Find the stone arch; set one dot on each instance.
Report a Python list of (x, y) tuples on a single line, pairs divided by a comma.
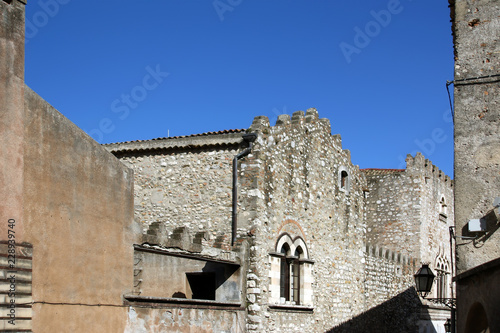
[(477, 321), (293, 244), (291, 227)]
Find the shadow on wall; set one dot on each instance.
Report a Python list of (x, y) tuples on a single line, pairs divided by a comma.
[(399, 314)]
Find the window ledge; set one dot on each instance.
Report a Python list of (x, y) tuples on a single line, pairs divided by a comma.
[(289, 307), (181, 301)]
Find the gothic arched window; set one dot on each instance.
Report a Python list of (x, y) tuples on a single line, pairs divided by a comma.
[(291, 272), (442, 277)]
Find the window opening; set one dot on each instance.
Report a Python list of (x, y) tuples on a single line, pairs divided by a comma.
[(441, 277), (202, 285), (296, 275), (443, 210), (343, 179), (290, 272), (285, 273)]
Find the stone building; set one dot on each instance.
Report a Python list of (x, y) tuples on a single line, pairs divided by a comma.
[(155, 240), (476, 31), (318, 244)]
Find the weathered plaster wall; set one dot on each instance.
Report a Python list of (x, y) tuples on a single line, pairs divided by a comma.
[(11, 115), (476, 31), (15, 252), (161, 273), (78, 214), (479, 291), (185, 320)]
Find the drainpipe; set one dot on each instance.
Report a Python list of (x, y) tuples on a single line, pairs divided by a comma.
[(248, 140)]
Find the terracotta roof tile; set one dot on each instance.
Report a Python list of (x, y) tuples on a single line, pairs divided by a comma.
[(375, 171), (182, 136)]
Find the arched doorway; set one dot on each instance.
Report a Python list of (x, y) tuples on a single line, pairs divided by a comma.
[(477, 322)]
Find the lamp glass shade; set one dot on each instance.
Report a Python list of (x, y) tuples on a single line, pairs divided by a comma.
[(424, 279)]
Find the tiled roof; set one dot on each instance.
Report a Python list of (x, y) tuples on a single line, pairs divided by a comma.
[(208, 139), (182, 136), (375, 171)]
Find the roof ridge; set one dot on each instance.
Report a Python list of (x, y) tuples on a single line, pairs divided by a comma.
[(239, 130), (383, 169)]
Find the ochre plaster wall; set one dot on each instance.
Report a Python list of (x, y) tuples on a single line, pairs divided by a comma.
[(11, 114), (79, 217)]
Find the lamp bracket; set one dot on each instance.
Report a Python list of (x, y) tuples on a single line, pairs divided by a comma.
[(449, 302)]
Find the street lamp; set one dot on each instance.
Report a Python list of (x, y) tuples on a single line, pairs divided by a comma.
[(447, 326), (423, 282)]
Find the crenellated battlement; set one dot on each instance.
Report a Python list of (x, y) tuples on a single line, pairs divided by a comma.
[(311, 116), (396, 257), (420, 164)]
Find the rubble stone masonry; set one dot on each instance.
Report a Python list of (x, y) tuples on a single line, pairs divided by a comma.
[(298, 186)]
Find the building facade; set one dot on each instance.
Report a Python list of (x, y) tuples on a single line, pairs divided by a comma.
[(319, 243), (153, 239), (476, 27)]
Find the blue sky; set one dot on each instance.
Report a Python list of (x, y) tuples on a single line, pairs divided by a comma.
[(128, 70)]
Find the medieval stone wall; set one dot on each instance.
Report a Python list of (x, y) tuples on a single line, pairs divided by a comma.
[(299, 192), (388, 273), (437, 209), (392, 304), (298, 186), (410, 210), (393, 210), (185, 188)]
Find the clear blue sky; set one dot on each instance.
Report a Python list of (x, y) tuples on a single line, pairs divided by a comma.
[(128, 70)]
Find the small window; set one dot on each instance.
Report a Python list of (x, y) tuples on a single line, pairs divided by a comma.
[(443, 210), (344, 181), (202, 285)]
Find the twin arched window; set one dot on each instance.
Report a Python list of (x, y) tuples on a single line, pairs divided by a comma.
[(290, 279), (291, 272), (442, 270)]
